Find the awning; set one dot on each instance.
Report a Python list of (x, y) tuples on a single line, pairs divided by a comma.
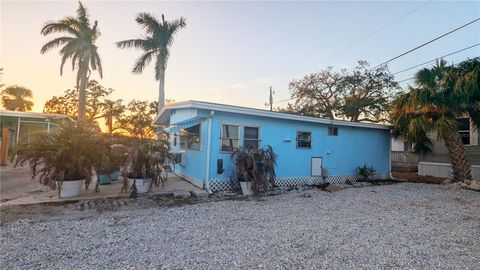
[(177, 127)]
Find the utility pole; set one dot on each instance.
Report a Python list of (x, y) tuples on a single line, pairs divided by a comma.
[(270, 100)]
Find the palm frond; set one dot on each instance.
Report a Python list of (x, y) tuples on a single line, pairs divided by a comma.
[(174, 27), (98, 62), (142, 62), (55, 27), (148, 21), (445, 127), (54, 43), (82, 14), (134, 43)]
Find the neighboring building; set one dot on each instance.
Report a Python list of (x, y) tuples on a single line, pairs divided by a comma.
[(310, 150), (438, 163), (21, 124), (403, 157)]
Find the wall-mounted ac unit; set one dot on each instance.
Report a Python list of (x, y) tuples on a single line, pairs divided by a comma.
[(180, 158)]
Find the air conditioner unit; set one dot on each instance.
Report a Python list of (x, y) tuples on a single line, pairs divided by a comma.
[(180, 158)]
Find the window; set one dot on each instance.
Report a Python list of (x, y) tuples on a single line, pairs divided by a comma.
[(190, 138), (464, 129), (332, 131), (304, 139), (229, 138), (250, 139)]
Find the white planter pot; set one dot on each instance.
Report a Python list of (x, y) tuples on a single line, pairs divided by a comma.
[(142, 185), (70, 188), (247, 188)]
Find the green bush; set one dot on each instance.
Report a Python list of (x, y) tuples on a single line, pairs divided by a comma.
[(365, 172)]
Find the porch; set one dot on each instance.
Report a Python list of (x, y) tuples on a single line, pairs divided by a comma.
[(19, 189)]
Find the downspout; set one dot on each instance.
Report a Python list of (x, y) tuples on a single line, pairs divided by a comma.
[(390, 157), (206, 182)]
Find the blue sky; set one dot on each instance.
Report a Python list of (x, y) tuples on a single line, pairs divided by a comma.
[(231, 52)]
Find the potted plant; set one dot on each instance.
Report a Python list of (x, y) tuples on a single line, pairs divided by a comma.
[(144, 165), (118, 155), (254, 168), (104, 170), (111, 155), (63, 160)]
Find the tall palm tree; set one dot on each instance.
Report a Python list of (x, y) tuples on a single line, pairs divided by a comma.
[(79, 46), (156, 44), (441, 95), (17, 98)]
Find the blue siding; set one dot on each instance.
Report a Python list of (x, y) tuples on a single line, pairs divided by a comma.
[(341, 154), (353, 147), (196, 159)]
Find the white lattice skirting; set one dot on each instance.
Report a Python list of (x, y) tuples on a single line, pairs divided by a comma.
[(228, 184)]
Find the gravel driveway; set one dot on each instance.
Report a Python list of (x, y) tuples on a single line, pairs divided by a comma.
[(402, 226)]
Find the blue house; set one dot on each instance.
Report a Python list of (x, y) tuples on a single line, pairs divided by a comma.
[(310, 150)]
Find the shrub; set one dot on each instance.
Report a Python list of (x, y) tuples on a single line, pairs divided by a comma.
[(255, 165), (69, 153), (365, 172)]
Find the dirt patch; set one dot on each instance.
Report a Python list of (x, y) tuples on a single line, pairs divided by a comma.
[(415, 178), (88, 208)]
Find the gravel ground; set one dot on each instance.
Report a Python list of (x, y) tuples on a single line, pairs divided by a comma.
[(401, 226)]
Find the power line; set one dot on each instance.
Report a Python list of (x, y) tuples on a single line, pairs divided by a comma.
[(369, 35), (446, 55), (403, 70), (406, 79), (428, 42)]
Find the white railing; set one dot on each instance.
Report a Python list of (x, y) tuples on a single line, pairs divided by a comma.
[(404, 157)]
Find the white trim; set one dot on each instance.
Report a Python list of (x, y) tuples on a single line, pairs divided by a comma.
[(296, 139), (209, 140), (259, 112), (32, 114), (221, 136)]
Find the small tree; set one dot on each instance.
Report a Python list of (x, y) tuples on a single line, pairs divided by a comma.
[(362, 94), (137, 121)]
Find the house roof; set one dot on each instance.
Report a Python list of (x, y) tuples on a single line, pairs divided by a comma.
[(164, 115), (33, 114)]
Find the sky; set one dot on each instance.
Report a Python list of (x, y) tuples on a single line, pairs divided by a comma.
[(232, 52)]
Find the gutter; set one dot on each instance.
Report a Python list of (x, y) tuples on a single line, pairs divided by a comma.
[(206, 181)]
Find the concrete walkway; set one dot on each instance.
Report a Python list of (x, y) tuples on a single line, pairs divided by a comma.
[(17, 188)]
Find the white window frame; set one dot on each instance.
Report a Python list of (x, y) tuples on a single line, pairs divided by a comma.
[(188, 147), (471, 137), (296, 139), (222, 137), (258, 137)]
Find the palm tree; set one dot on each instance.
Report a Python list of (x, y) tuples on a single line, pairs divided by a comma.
[(17, 98), (79, 46), (156, 44), (441, 95), (112, 111)]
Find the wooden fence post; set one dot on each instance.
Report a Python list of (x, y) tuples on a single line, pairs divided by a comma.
[(4, 149)]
